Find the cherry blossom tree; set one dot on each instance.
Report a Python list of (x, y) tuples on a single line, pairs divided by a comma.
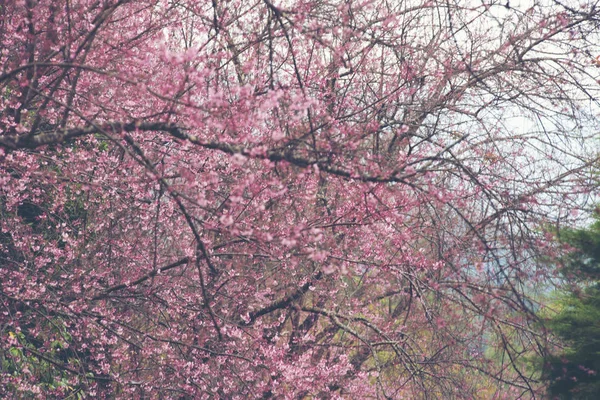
[(301, 199)]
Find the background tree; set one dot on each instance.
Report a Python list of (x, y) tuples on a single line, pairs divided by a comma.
[(573, 371), (303, 199)]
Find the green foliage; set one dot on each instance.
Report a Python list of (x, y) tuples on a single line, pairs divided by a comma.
[(25, 359), (574, 373), (584, 263)]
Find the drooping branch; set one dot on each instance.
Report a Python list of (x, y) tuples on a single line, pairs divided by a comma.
[(284, 302), (142, 279), (54, 137)]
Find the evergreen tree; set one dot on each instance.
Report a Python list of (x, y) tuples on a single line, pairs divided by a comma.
[(574, 373)]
